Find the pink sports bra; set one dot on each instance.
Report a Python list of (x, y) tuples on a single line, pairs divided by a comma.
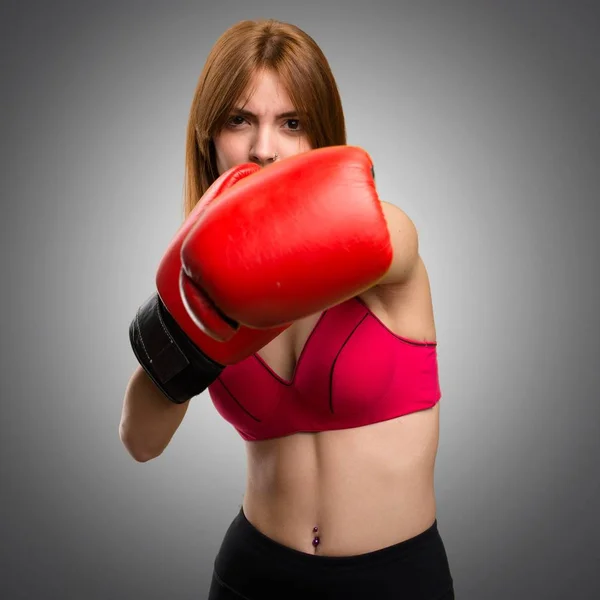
[(352, 371)]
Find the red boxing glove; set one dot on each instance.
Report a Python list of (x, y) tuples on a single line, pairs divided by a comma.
[(180, 358), (295, 238), (242, 342)]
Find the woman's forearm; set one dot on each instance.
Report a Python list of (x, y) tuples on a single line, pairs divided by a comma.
[(149, 419)]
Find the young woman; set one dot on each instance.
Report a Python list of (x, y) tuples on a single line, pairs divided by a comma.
[(339, 410)]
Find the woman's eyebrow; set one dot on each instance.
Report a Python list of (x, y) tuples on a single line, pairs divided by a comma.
[(285, 115)]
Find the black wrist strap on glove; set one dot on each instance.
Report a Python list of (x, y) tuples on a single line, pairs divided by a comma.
[(173, 362)]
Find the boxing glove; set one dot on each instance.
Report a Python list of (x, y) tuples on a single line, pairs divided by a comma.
[(181, 358), (287, 241)]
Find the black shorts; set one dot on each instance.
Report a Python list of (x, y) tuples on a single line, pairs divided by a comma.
[(251, 566)]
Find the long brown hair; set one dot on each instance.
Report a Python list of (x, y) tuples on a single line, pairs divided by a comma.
[(242, 50)]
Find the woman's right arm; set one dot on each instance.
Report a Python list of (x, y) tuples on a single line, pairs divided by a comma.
[(149, 419)]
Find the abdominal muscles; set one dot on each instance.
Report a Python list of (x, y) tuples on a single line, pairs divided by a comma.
[(346, 492)]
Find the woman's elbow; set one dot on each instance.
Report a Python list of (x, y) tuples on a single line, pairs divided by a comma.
[(137, 451)]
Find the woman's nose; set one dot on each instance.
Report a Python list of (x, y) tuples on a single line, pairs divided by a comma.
[(263, 149)]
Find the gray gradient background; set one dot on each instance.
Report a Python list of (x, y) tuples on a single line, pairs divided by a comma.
[(483, 121)]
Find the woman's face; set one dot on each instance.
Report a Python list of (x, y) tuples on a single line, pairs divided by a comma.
[(266, 127)]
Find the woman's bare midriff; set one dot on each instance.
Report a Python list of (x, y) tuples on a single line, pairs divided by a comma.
[(364, 488)]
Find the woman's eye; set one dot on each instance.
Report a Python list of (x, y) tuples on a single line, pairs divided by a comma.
[(293, 124), (236, 120)]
